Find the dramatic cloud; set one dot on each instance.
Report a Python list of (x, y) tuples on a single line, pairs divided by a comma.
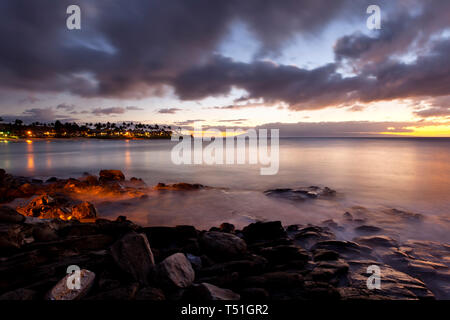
[(169, 110), (188, 122), (153, 48)]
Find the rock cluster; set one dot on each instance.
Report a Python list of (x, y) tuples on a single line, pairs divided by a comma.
[(120, 260)]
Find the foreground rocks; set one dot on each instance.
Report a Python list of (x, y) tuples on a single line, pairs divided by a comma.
[(264, 261)]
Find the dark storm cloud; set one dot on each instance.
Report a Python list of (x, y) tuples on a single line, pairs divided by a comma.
[(139, 48), (123, 49)]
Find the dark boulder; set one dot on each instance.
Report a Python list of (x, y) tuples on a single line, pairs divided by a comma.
[(222, 246), (111, 175), (9, 215), (264, 231), (133, 255), (175, 272)]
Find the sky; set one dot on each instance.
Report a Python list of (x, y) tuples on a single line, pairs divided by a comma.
[(306, 67)]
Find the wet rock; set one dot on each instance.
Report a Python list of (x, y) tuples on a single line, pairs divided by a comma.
[(284, 253), (220, 245), (405, 215), (325, 255), (175, 272), (9, 215), (132, 254), (346, 249), (84, 210), (301, 194), (208, 292), (111, 175), (61, 290), (365, 229), (264, 231), (150, 294), (377, 241), (394, 284), (309, 236), (329, 270), (20, 294), (348, 216)]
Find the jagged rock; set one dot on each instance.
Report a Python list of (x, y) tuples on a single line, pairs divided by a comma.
[(150, 294), (9, 215), (207, 292), (175, 272), (111, 175), (377, 241), (264, 231), (222, 245), (61, 291), (84, 210), (301, 194), (132, 254)]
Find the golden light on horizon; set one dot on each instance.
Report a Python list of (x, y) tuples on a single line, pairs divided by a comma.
[(426, 131)]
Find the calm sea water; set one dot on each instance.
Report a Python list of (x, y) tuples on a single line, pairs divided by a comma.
[(376, 174)]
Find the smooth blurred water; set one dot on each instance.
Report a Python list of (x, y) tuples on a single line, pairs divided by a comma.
[(408, 174)]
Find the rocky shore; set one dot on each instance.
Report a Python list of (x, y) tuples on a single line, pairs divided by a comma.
[(264, 261)]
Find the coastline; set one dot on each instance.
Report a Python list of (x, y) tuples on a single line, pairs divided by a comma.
[(263, 261)]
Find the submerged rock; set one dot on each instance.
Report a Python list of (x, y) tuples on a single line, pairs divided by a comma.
[(377, 241), (179, 186), (301, 194)]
